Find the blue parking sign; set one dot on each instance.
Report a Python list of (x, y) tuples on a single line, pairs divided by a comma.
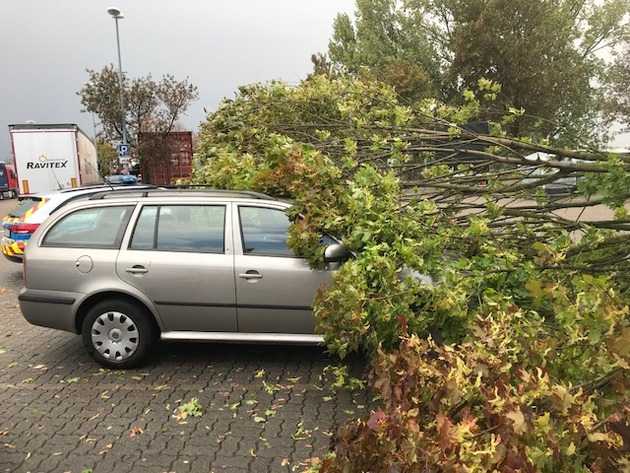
[(123, 150)]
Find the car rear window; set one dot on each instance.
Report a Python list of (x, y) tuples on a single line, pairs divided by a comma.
[(96, 227), (24, 205)]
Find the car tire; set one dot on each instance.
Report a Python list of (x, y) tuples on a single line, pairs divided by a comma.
[(118, 333)]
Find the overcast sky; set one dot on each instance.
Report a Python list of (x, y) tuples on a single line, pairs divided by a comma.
[(48, 44)]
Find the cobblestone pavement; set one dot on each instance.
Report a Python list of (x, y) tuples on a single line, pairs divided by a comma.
[(264, 407)]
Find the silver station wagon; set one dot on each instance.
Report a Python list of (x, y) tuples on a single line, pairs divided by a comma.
[(127, 268)]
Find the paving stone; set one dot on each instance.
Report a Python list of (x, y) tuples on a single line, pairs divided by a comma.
[(64, 413)]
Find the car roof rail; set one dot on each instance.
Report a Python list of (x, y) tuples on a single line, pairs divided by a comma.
[(181, 190), (144, 192), (205, 187)]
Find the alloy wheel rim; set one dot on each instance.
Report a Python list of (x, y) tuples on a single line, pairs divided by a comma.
[(115, 336)]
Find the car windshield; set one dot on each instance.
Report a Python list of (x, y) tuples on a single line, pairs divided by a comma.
[(24, 205), (3, 175)]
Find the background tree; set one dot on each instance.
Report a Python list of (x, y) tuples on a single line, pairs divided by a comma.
[(150, 105), (544, 53), (107, 157), (383, 42), (617, 102)]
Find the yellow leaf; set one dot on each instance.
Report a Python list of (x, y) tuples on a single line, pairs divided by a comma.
[(520, 426), (564, 397), (535, 288), (598, 437), (543, 421), (611, 438)]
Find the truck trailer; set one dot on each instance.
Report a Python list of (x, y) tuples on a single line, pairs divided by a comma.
[(50, 157)]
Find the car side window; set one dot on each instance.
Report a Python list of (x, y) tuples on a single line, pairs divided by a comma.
[(144, 232), (185, 228), (97, 227), (264, 231)]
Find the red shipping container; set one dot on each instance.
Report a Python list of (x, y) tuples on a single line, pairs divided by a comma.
[(176, 164)]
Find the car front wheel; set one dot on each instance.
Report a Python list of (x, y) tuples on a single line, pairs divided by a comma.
[(118, 333)]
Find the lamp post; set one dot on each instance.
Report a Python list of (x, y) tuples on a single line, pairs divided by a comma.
[(117, 15)]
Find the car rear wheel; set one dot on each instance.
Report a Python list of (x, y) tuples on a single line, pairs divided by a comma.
[(118, 333)]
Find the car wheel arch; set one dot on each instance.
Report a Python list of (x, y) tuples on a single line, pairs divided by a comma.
[(95, 298)]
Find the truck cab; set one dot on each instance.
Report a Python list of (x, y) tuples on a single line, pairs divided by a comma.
[(8, 182)]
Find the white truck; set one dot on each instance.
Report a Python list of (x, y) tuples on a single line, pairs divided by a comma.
[(50, 157)]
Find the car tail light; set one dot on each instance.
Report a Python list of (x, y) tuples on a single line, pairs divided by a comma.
[(23, 228)]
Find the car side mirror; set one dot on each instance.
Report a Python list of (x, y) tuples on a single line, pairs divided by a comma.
[(336, 253)]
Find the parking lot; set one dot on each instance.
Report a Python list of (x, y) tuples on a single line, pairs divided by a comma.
[(263, 408)]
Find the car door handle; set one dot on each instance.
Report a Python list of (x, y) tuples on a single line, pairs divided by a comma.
[(251, 274), (137, 269)]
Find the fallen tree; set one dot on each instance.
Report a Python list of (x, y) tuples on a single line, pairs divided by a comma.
[(515, 358)]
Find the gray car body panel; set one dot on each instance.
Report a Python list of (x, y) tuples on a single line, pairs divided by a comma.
[(187, 293)]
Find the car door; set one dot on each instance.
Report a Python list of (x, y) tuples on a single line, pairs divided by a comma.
[(274, 288), (81, 243), (181, 257)]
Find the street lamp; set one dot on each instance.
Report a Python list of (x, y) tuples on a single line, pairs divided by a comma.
[(117, 15)]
